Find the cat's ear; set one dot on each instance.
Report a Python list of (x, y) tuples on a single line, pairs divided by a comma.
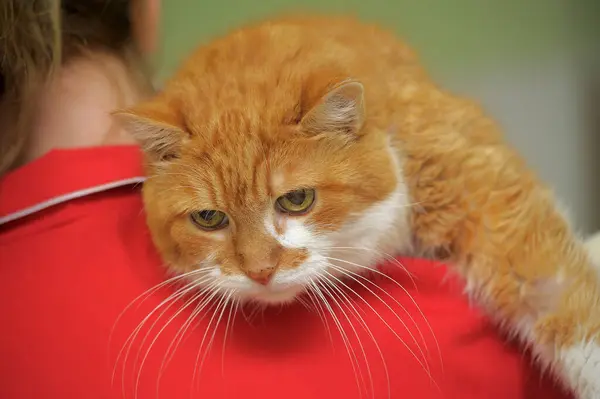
[(157, 128), (341, 110)]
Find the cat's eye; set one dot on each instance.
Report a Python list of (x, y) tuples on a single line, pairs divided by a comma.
[(209, 220), (296, 202)]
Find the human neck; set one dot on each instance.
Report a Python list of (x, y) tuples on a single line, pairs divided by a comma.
[(74, 110)]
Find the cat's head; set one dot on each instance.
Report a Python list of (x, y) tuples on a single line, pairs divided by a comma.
[(263, 201)]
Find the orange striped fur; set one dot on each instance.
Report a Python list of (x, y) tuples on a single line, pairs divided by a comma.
[(398, 165)]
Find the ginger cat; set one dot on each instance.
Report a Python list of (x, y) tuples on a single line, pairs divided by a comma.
[(280, 146)]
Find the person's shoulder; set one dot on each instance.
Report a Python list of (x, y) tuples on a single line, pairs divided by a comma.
[(62, 176), (468, 354), (71, 199)]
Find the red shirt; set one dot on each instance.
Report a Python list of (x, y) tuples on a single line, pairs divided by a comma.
[(75, 252)]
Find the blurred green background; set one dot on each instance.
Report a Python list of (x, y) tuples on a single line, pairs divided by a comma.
[(449, 34), (533, 64)]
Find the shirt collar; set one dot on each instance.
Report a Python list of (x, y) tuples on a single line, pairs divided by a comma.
[(66, 174)]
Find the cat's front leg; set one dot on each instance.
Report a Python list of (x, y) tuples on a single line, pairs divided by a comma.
[(579, 361), (545, 291), (491, 219), (578, 358)]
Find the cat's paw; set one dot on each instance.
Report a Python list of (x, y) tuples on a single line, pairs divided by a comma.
[(581, 366)]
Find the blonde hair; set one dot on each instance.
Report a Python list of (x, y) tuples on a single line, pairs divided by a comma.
[(38, 36)]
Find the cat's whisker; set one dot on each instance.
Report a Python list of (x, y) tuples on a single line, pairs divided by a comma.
[(185, 305), (228, 329), (228, 303), (262, 313), (221, 305), (423, 363), (219, 302), (344, 299), (171, 349), (378, 272), (127, 346), (409, 314), (350, 274), (389, 257), (367, 329), (144, 295), (320, 312), (351, 353), (257, 308), (193, 286), (305, 304), (397, 302), (203, 307), (244, 315)]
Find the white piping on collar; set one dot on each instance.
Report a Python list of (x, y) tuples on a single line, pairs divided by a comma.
[(69, 197)]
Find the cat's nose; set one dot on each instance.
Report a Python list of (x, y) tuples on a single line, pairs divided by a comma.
[(261, 276)]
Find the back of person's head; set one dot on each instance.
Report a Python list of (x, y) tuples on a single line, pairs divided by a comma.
[(39, 36)]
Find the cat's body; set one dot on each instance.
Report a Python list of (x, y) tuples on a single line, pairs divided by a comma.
[(378, 160)]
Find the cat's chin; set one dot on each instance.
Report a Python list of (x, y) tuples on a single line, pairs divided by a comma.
[(271, 296)]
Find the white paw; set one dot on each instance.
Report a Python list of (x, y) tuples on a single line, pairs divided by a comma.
[(581, 365)]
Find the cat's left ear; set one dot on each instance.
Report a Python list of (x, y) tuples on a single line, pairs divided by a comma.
[(341, 110), (156, 126)]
